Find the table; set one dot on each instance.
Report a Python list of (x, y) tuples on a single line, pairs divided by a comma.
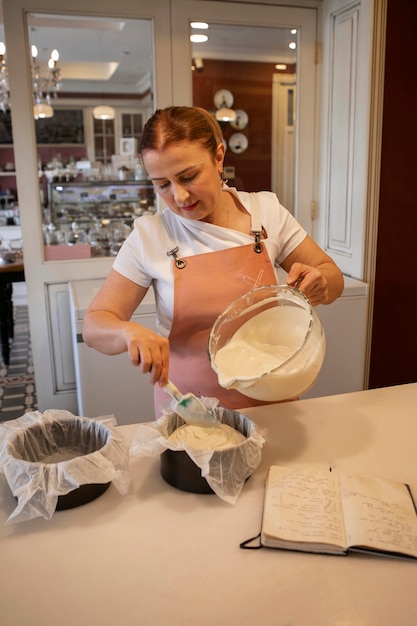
[(159, 556), (9, 273)]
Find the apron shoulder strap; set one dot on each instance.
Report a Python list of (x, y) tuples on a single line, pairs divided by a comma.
[(256, 221), (255, 207)]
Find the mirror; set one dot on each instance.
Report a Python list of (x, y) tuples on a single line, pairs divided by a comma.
[(251, 70), (91, 99)]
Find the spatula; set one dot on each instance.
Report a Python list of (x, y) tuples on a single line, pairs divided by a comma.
[(191, 408)]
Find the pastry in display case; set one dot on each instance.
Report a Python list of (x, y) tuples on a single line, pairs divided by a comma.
[(92, 218)]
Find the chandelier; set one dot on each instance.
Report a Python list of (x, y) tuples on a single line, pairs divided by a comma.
[(43, 87), (4, 80)]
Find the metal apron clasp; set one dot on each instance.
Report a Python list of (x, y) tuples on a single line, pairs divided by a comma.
[(179, 263), (257, 246)]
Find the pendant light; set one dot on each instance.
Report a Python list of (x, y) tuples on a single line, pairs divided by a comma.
[(104, 112), (42, 110), (225, 115)]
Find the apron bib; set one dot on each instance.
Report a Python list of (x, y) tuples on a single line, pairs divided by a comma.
[(204, 285)]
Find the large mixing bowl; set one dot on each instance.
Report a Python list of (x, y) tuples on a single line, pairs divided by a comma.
[(268, 344)]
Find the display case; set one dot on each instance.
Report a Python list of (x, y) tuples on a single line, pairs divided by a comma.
[(93, 218)]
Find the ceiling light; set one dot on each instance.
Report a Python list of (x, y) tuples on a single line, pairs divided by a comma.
[(292, 45), (103, 112), (199, 25), (293, 31), (198, 38), (281, 66)]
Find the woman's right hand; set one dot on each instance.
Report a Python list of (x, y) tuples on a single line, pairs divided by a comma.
[(148, 351), (108, 328)]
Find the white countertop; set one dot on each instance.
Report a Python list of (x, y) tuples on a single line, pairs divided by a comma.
[(160, 556)]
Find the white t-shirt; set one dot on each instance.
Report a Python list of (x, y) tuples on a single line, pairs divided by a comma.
[(143, 257)]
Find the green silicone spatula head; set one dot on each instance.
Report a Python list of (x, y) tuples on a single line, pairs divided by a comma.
[(190, 408)]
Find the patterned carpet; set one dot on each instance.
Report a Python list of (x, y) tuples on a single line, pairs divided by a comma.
[(17, 382)]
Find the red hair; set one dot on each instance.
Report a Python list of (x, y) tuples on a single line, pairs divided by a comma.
[(180, 123)]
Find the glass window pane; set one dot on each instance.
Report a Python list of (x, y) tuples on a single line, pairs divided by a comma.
[(110, 60), (237, 68)]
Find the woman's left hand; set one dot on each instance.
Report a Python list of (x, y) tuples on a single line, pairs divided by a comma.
[(314, 273), (310, 281)]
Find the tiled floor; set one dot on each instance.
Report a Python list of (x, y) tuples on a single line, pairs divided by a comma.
[(17, 382)]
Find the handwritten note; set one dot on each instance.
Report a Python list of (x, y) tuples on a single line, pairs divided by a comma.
[(304, 506), (379, 513), (316, 510)]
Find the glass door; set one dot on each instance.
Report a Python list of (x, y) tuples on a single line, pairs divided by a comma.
[(251, 55), (47, 281)]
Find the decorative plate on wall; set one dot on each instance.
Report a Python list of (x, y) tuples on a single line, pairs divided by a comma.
[(241, 120), (223, 98), (238, 143)]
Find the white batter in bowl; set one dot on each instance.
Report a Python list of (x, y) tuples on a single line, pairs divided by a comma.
[(268, 344)]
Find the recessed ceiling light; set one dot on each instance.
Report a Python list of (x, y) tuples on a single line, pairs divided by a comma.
[(292, 45), (281, 66), (293, 31), (198, 38), (200, 25)]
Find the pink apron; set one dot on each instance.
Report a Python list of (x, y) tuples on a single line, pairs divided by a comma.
[(203, 287)]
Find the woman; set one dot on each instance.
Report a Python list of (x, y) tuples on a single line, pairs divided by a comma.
[(211, 245)]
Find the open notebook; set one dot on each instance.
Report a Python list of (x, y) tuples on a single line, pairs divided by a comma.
[(321, 510)]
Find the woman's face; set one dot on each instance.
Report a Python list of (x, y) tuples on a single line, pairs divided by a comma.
[(187, 179)]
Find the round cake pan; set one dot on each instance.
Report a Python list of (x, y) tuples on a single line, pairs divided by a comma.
[(178, 468), (180, 471), (80, 496), (77, 438)]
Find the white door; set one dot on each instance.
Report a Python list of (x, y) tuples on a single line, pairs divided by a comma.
[(345, 132)]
